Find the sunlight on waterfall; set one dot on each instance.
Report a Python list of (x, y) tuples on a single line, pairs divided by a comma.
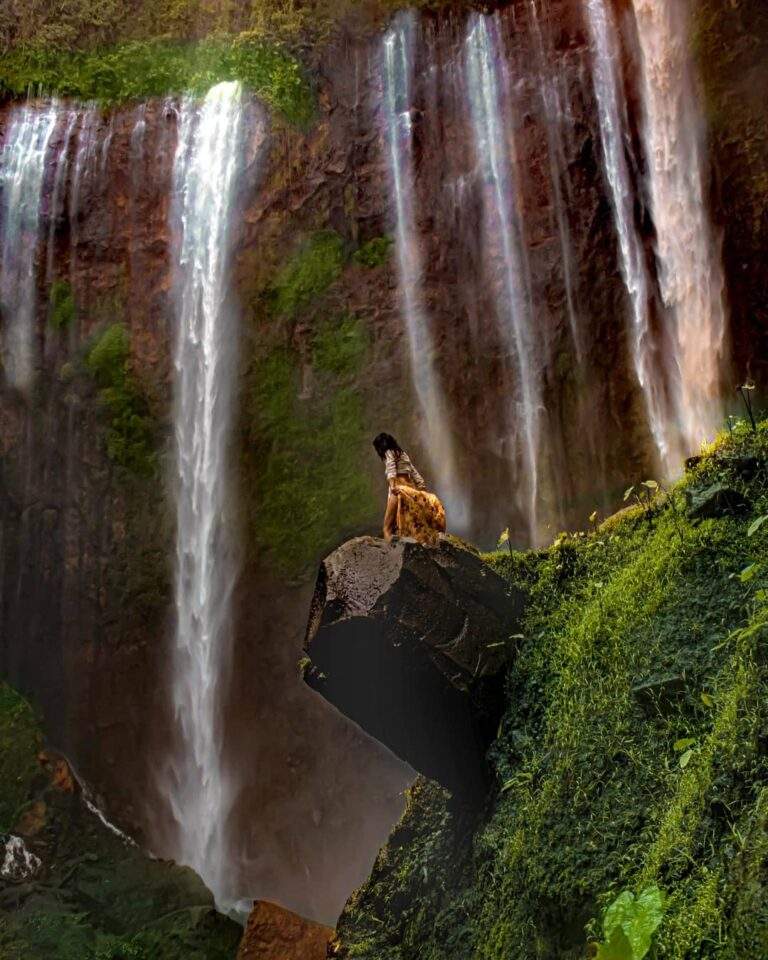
[(614, 137), (22, 168), (690, 269)]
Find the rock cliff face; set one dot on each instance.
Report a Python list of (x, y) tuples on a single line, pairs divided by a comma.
[(273, 933), (410, 642), (87, 541)]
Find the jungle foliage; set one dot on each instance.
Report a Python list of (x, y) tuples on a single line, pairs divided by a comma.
[(632, 756), (157, 67)]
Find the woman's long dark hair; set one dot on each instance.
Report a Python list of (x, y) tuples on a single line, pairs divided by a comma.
[(385, 442)]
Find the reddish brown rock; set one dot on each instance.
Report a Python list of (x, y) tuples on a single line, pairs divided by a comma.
[(273, 933)]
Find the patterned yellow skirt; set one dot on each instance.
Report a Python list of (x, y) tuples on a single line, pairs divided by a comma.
[(420, 514)]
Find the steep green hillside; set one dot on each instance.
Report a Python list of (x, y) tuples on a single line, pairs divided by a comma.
[(633, 754), (94, 896)]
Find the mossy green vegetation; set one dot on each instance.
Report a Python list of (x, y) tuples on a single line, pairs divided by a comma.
[(95, 897), (62, 310), (19, 742), (308, 273), (374, 252), (633, 753), (130, 433), (154, 68), (308, 444)]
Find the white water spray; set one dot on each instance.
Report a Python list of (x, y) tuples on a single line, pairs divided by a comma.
[(22, 170), (207, 164), (397, 73), (611, 106), (496, 162), (690, 269)]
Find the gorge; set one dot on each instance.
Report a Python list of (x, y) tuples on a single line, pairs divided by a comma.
[(526, 237)]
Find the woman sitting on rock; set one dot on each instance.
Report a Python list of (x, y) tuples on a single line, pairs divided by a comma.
[(411, 510)]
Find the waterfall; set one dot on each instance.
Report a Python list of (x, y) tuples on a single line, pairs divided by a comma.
[(497, 166), (611, 107), (207, 165), (690, 269), (61, 170), (22, 171), (85, 157), (397, 59), (556, 120)]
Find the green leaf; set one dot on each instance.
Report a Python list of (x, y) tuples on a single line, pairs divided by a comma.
[(756, 525), (707, 700), (684, 743), (628, 493), (629, 924), (651, 484), (749, 572), (593, 517), (617, 948), (685, 759), (504, 538)]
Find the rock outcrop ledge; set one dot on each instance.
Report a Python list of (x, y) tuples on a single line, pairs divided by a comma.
[(410, 642)]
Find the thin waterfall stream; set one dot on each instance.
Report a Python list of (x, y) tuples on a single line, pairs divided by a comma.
[(688, 255), (496, 164), (398, 49), (22, 171), (612, 115), (207, 166)]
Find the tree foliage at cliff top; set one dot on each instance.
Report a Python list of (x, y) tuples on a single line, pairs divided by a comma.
[(633, 753), (154, 68)]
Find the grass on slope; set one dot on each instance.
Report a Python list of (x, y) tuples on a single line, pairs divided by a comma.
[(633, 752)]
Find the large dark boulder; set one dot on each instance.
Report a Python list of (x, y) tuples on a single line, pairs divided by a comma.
[(410, 642)]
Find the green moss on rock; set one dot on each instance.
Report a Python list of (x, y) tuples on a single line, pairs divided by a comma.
[(374, 252), (62, 310), (308, 274), (309, 489), (130, 434)]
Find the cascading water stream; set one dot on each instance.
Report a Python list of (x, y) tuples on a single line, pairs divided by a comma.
[(397, 74), (690, 269), (496, 164), (207, 165), (58, 200), (612, 116), (22, 171), (86, 156), (555, 118)]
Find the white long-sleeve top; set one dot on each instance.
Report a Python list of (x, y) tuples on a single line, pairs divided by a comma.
[(399, 464)]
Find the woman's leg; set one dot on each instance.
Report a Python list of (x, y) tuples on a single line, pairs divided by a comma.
[(390, 518)]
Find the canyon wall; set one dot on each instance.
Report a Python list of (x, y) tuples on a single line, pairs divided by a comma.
[(87, 523)]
